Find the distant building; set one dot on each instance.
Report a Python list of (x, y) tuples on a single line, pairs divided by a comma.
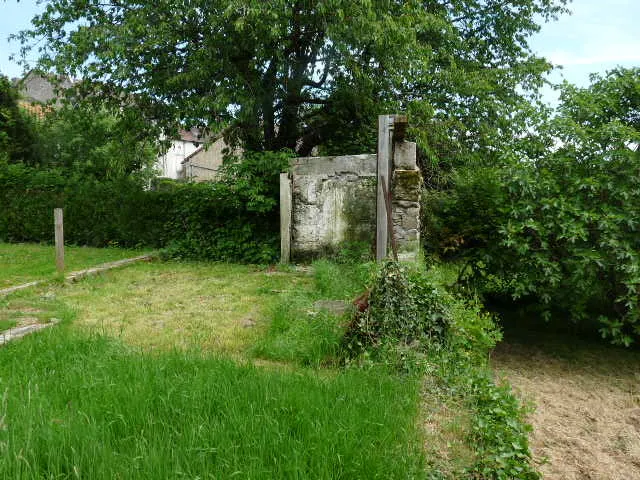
[(38, 92), (169, 163), (190, 158)]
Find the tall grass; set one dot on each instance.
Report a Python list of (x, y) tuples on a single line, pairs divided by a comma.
[(306, 335), (73, 406)]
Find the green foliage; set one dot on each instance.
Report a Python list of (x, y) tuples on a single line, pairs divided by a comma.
[(17, 129), (96, 213), (352, 252), (83, 406), (233, 219), (414, 326), (499, 433), (569, 224), (570, 230), (558, 228), (402, 308), (301, 74), (463, 219), (88, 141)]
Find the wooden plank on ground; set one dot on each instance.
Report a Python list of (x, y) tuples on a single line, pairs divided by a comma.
[(75, 276)]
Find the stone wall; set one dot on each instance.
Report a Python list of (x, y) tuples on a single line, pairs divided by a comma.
[(327, 201), (406, 185)]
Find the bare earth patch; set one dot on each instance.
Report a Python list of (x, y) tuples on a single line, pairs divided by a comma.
[(587, 407)]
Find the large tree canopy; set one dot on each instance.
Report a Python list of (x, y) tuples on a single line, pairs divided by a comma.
[(297, 74)]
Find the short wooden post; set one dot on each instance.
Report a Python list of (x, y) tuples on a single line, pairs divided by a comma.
[(285, 218), (59, 234)]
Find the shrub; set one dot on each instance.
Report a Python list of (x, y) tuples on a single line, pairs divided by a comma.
[(403, 308), (414, 326), (461, 220), (559, 229), (234, 219)]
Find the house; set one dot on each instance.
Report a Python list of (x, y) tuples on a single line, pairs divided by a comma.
[(192, 157), (38, 92), (203, 164), (169, 163), (38, 88)]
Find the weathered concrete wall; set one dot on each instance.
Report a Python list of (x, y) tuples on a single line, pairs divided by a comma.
[(333, 202)]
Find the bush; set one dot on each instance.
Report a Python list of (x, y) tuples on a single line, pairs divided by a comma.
[(558, 229), (235, 219), (461, 220), (414, 326), (569, 239), (403, 308)]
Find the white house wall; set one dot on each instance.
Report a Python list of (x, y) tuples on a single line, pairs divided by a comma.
[(170, 165)]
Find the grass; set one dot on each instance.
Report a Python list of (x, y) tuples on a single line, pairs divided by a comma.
[(88, 407), (22, 263), (170, 370), (7, 325), (217, 308), (301, 333), (587, 402), (154, 372)]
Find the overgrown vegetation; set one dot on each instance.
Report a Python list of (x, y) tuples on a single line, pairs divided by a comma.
[(117, 329), (412, 324), (91, 407), (558, 229), (415, 328), (235, 218)]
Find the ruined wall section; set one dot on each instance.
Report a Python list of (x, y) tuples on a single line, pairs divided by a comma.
[(333, 201), (406, 187), (329, 201)]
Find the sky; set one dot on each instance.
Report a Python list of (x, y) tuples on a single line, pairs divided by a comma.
[(598, 36)]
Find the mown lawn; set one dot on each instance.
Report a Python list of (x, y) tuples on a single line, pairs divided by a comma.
[(174, 370), (587, 402), (21, 263)]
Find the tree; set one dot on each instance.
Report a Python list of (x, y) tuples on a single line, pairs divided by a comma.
[(18, 141), (302, 73), (92, 142), (563, 224)]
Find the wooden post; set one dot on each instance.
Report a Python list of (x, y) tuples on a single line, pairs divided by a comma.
[(285, 218), (385, 125), (387, 198), (59, 234)]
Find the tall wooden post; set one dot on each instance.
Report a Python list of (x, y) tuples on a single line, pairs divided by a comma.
[(391, 128), (59, 234), (385, 127)]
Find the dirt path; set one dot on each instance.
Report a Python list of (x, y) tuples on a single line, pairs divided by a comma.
[(587, 398)]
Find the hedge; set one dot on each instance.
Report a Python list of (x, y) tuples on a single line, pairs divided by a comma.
[(234, 219)]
